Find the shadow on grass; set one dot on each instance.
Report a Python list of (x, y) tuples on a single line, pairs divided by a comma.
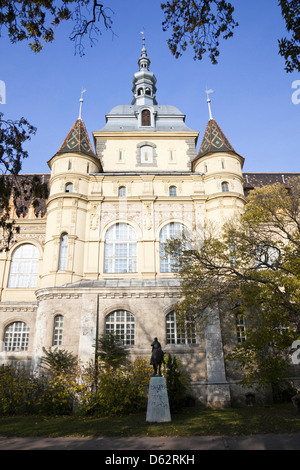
[(190, 422)]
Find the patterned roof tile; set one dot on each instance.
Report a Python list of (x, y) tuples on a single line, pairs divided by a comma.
[(214, 140), (77, 140)]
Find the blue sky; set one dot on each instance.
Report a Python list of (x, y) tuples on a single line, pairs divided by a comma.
[(252, 101)]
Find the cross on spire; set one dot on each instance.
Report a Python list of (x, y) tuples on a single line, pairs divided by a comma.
[(80, 106), (208, 92)]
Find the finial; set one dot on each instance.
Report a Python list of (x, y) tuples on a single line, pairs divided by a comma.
[(208, 92), (80, 106), (144, 47)]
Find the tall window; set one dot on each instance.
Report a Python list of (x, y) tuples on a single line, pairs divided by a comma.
[(120, 253), (58, 330), (24, 267), (122, 324), (240, 328), (16, 337), (146, 117), (167, 262), (179, 334), (225, 187), (63, 251), (122, 191), (172, 191)]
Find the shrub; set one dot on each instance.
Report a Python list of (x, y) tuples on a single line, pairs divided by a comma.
[(58, 360), (18, 391), (56, 395), (111, 350), (117, 390), (177, 383)]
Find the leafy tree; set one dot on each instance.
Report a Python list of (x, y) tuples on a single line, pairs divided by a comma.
[(13, 135), (250, 269), (290, 48), (111, 350), (35, 20), (59, 361), (202, 23), (177, 383)]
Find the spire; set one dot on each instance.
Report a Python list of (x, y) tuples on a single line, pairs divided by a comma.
[(144, 81), (144, 61), (208, 92), (80, 106), (214, 140), (77, 140)]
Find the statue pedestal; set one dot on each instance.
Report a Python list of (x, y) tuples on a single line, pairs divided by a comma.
[(158, 410)]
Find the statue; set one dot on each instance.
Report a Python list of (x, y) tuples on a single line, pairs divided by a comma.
[(157, 357)]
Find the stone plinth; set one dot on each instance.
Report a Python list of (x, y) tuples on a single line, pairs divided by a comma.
[(158, 409)]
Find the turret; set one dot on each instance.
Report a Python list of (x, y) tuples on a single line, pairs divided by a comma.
[(222, 169), (67, 206), (144, 81)]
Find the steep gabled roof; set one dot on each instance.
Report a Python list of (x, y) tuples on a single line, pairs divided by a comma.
[(214, 140), (78, 140)]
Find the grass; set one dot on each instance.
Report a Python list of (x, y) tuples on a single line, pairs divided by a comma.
[(190, 422)]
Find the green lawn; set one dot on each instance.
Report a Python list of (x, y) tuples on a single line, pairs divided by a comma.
[(196, 422)]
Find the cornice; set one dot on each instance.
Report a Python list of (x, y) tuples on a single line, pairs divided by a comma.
[(138, 135)]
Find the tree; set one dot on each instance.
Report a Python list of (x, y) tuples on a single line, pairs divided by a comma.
[(290, 48), (59, 361), (35, 20), (15, 190), (177, 383), (202, 23), (111, 350), (251, 271)]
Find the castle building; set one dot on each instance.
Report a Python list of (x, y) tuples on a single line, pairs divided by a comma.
[(92, 259)]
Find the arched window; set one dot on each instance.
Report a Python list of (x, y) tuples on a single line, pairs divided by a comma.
[(148, 92), (225, 187), (24, 267), (146, 117), (69, 188), (172, 191), (167, 262), (140, 91), (16, 337), (122, 191), (58, 330), (63, 251), (120, 253), (177, 333), (122, 324)]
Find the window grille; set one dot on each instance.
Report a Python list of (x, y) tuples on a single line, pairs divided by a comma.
[(120, 252), (167, 262), (24, 267), (58, 330), (16, 337), (122, 324), (179, 334)]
